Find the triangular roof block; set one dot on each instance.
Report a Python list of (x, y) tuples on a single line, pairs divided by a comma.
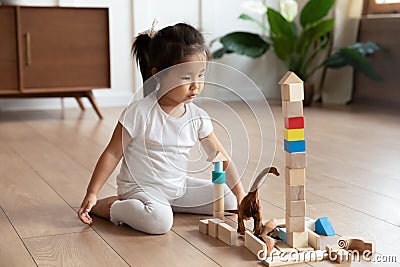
[(290, 77), (219, 157), (324, 227)]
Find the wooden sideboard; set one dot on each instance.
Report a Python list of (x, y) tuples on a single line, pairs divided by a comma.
[(54, 52)]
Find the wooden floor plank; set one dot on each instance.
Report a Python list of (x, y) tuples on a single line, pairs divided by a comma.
[(140, 249), (32, 206), (68, 178), (11, 245), (75, 249)]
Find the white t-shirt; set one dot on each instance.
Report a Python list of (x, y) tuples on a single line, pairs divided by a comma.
[(157, 156)]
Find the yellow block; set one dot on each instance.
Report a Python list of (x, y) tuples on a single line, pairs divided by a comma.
[(293, 134)]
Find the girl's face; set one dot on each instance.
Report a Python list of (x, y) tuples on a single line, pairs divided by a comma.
[(183, 82)]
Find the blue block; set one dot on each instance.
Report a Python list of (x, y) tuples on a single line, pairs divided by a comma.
[(324, 227), (295, 146), (282, 234)]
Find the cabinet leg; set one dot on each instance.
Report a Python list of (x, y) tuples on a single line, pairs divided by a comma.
[(80, 103), (92, 100)]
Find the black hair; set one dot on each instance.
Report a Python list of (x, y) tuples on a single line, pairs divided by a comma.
[(169, 46)]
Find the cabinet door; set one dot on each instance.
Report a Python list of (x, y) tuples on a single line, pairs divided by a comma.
[(8, 51), (65, 48)]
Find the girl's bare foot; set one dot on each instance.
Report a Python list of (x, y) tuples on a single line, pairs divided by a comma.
[(103, 206)]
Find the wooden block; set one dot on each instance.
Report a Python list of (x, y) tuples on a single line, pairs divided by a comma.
[(292, 92), (338, 255), (295, 224), (294, 123), (255, 245), (213, 227), (203, 226), (283, 247), (310, 224), (314, 239), (227, 234), (293, 134), (288, 259), (296, 160), (295, 176), (356, 243), (219, 214), (294, 146), (294, 192), (297, 239), (282, 234), (292, 109), (296, 208), (292, 87), (303, 249)]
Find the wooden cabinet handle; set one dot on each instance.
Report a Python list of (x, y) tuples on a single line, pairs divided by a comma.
[(28, 48)]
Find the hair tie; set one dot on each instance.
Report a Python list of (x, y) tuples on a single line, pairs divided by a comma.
[(151, 32)]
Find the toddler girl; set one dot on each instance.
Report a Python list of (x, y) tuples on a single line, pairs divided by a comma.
[(153, 137)]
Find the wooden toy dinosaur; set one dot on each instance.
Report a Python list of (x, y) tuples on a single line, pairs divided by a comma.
[(250, 206)]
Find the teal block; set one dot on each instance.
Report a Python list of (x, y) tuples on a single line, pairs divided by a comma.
[(282, 234), (218, 166), (294, 146), (324, 227), (218, 177)]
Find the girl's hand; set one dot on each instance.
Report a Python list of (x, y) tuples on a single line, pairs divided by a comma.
[(87, 204)]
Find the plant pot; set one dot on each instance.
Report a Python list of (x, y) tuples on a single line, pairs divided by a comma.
[(308, 94)]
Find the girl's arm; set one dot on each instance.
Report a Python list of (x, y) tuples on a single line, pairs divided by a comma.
[(105, 166), (211, 144)]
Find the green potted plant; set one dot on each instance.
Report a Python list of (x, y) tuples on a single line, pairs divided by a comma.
[(299, 45)]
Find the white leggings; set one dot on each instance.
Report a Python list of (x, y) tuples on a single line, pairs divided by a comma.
[(150, 212)]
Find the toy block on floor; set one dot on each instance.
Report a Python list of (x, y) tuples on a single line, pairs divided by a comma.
[(294, 122), (296, 208), (283, 247), (293, 134), (310, 224), (356, 243), (227, 234), (282, 234), (295, 176), (297, 239), (296, 160), (292, 87), (292, 109), (294, 146), (213, 227), (304, 249), (324, 227), (294, 192), (338, 255), (314, 240), (295, 224), (255, 245), (203, 226)]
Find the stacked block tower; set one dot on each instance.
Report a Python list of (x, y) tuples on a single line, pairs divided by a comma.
[(292, 91)]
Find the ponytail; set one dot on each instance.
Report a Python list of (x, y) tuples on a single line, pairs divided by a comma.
[(140, 50)]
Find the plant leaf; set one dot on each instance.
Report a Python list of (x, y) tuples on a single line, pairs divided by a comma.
[(354, 58), (283, 47), (220, 52), (279, 25), (249, 18), (245, 43), (311, 34), (315, 10)]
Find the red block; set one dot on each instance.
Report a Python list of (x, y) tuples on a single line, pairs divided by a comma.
[(294, 123)]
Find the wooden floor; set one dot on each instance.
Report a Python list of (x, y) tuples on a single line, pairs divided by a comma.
[(46, 159)]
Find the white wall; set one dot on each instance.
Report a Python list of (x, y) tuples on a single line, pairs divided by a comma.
[(129, 17)]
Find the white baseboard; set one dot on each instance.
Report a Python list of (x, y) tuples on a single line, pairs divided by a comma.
[(105, 98)]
